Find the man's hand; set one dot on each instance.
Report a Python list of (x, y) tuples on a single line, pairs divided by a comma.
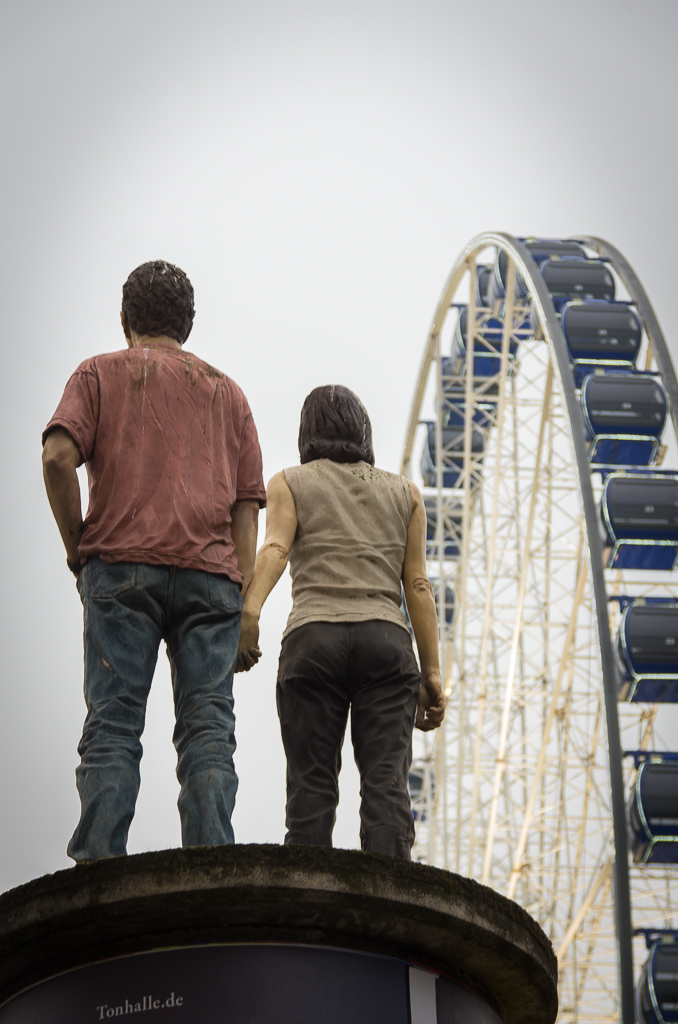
[(431, 708), (248, 650)]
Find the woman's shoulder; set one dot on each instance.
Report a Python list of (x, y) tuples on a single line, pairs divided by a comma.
[(325, 469)]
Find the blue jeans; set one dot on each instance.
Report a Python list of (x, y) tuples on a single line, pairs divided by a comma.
[(129, 607)]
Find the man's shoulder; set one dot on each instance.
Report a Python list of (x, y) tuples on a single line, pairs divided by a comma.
[(212, 371), (94, 364)]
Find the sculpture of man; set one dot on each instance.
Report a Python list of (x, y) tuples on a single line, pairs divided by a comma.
[(167, 546)]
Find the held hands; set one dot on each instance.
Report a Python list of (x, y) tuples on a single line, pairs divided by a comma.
[(431, 708), (248, 649)]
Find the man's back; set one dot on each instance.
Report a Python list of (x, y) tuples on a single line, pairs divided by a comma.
[(170, 445)]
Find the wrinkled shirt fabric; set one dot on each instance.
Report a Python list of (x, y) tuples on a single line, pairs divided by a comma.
[(347, 558), (170, 445)]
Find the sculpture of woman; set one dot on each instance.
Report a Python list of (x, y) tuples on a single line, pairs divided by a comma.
[(352, 534)]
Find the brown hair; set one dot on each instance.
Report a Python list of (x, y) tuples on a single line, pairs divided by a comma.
[(157, 299), (335, 425)]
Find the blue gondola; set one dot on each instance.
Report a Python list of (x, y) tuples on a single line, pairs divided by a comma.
[(422, 792), (540, 249), (569, 278), (601, 335), (639, 521), (483, 277), (452, 519), (487, 346), (657, 988), (485, 391), (647, 653), (454, 403), (453, 455), (652, 810), (624, 416), (450, 601)]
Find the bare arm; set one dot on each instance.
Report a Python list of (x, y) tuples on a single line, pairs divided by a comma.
[(60, 459), (281, 529), (422, 611), (244, 529)]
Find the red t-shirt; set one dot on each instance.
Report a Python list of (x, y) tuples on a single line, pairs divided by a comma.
[(170, 446)]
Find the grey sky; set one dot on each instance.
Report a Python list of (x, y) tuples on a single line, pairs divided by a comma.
[(315, 168)]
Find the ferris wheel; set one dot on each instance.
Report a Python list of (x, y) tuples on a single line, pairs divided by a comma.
[(544, 429)]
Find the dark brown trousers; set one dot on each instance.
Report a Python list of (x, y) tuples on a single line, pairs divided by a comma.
[(325, 669)]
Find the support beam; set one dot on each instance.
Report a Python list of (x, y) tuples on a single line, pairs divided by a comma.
[(517, 629), (548, 725)]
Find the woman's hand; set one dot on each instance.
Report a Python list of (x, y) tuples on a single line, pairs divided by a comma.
[(248, 649), (431, 708)]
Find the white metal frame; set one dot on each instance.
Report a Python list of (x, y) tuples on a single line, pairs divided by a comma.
[(521, 781)]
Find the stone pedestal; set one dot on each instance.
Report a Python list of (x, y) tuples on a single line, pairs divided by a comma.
[(269, 935)]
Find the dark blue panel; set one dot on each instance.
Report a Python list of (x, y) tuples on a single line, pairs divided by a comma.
[(415, 784), (540, 249), (451, 525), (647, 642), (644, 556), (215, 984), (453, 405), (450, 601), (656, 691), (581, 370), (483, 277), (453, 455), (568, 279), (487, 344), (623, 451), (641, 507), (622, 403), (662, 853), (652, 812), (600, 330), (656, 994)]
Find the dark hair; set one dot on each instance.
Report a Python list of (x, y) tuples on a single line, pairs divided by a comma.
[(335, 425), (157, 298)]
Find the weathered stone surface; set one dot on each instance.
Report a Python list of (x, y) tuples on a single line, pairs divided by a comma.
[(300, 894)]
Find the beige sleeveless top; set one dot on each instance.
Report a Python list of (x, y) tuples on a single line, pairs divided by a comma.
[(347, 557)]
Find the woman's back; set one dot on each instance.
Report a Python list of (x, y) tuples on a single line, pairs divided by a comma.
[(347, 558)]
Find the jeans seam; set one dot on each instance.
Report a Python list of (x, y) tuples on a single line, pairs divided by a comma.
[(171, 584)]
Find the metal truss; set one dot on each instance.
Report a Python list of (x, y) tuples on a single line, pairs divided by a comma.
[(523, 787)]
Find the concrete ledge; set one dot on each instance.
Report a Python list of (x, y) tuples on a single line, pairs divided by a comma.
[(301, 894)]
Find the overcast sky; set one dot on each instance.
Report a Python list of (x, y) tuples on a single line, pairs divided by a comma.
[(315, 168)]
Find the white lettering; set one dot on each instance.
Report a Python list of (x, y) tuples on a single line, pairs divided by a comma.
[(149, 1003)]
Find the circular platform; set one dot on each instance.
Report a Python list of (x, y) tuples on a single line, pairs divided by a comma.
[(308, 896)]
